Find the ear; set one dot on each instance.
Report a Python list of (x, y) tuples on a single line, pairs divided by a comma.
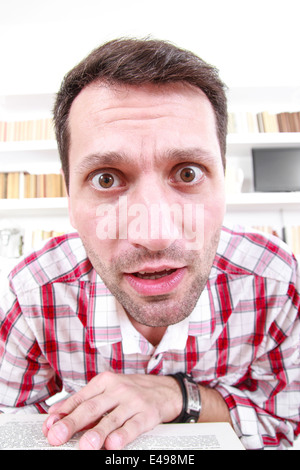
[(67, 195)]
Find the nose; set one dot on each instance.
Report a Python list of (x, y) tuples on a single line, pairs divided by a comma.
[(154, 220)]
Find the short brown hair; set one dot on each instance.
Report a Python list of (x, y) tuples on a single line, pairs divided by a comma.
[(137, 62)]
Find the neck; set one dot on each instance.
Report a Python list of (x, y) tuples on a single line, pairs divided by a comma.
[(153, 334)]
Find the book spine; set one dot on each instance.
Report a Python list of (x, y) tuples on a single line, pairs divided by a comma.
[(18, 131), (18, 185), (262, 122)]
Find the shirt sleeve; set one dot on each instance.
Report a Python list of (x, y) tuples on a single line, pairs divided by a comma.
[(264, 406), (26, 378)]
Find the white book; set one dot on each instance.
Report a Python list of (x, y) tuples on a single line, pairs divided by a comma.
[(24, 431)]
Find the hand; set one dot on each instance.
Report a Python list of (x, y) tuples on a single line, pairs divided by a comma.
[(115, 408)]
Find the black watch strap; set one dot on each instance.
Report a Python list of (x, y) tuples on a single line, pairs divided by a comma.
[(191, 399)]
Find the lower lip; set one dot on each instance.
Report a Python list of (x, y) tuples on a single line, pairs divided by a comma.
[(163, 285)]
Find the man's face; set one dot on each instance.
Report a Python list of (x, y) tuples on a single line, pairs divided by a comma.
[(146, 176)]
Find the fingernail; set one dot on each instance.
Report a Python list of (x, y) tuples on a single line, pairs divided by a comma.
[(52, 420), (58, 434), (90, 441)]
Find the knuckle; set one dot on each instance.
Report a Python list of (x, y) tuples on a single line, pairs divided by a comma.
[(121, 389), (91, 407), (138, 424), (76, 400), (113, 420), (106, 376), (140, 403), (95, 380), (100, 381)]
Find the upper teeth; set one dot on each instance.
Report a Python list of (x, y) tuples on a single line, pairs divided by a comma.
[(154, 274)]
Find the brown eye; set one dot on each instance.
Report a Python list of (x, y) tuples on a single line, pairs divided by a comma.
[(187, 175), (103, 180), (106, 180)]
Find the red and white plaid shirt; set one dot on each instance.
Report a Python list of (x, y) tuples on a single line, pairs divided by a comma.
[(60, 326)]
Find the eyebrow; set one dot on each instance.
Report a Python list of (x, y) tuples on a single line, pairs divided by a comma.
[(197, 154), (96, 160)]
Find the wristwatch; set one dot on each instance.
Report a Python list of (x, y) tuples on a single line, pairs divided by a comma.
[(191, 398)]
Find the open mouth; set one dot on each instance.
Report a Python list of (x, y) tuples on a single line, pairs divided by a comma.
[(154, 275), (158, 282)]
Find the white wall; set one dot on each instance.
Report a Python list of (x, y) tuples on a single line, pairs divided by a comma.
[(252, 42)]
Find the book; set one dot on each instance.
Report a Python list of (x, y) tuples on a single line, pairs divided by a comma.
[(13, 181), (3, 185), (263, 122), (289, 234), (38, 236), (18, 131), (24, 431), (15, 185), (292, 238)]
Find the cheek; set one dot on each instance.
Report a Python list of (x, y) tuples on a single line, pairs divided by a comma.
[(202, 221), (213, 222), (213, 216), (84, 220), (96, 230), (83, 214)]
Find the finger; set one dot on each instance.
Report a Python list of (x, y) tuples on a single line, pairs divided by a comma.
[(55, 407), (126, 434), (94, 439), (83, 416), (52, 419), (95, 387), (75, 400)]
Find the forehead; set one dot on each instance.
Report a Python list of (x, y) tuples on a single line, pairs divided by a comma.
[(134, 118), (105, 103)]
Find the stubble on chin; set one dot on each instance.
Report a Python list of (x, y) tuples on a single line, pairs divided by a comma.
[(157, 311)]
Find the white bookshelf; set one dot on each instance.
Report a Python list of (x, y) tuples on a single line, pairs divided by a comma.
[(34, 206), (28, 146), (241, 144), (40, 156), (249, 207), (264, 201)]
